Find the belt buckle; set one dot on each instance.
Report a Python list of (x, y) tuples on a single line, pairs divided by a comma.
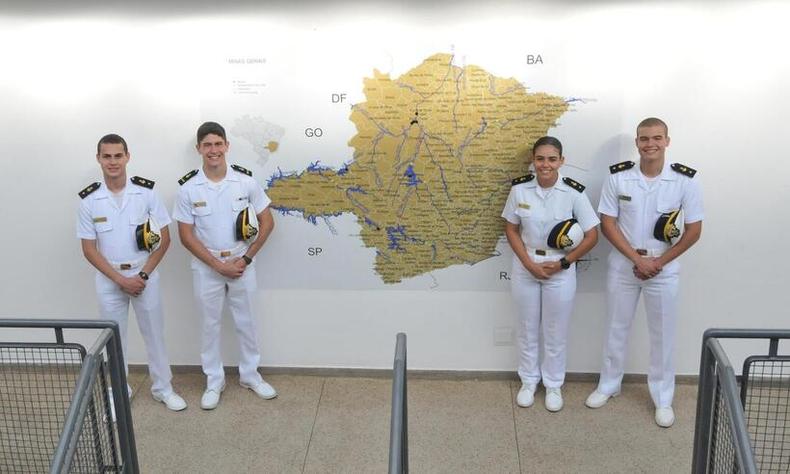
[(225, 253), (641, 252), (125, 266), (540, 252)]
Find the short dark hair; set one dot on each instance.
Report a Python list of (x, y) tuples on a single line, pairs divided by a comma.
[(653, 122), (547, 141), (210, 128), (114, 139)]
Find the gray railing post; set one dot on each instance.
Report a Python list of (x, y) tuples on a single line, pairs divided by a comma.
[(122, 409), (716, 371), (729, 387), (83, 396), (399, 444), (704, 420)]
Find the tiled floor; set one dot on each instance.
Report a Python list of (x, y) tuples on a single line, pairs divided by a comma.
[(341, 424)]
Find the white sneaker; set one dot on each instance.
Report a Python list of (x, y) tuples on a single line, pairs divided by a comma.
[(526, 396), (210, 398), (262, 389), (173, 401), (598, 399), (665, 417), (553, 399)]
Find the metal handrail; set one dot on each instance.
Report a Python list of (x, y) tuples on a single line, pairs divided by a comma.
[(75, 417), (714, 364), (111, 339), (399, 445), (729, 386)]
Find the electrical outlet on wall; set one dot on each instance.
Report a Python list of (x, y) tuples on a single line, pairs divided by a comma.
[(504, 336)]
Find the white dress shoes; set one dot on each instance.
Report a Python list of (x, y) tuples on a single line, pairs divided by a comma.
[(262, 389), (598, 399), (526, 396), (665, 417), (210, 398), (554, 399), (172, 401)]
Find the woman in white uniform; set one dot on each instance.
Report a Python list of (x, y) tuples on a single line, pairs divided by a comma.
[(550, 225)]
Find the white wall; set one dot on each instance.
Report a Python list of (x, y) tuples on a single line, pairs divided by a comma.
[(717, 72)]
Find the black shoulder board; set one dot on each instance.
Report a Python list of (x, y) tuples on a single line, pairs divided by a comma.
[(625, 165), (86, 192), (683, 169), (187, 177), (574, 184), (241, 169), (523, 179), (146, 183)]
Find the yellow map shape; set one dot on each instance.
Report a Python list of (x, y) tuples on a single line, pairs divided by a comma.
[(435, 152)]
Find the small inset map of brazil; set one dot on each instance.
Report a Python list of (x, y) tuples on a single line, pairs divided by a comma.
[(262, 135)]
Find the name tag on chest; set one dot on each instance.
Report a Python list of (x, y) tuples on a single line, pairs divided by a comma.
[(623, 197), (97, 220), (199, 204)]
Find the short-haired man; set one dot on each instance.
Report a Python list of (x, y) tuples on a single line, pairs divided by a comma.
[(216, 208), (123, 227), (641, 207)]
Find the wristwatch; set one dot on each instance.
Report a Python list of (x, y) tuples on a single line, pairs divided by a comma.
[(564, 263), (246, 259), (143, 275)]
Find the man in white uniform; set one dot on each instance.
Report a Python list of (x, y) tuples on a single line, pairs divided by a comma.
[(215, 209), (639, 207), (114, 224)]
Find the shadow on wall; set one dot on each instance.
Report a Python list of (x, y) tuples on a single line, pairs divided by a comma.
[(592, 273)]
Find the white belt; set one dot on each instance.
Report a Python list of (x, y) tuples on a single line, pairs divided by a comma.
[(128, 265), (650, 252), (543, 252), (234, 252)]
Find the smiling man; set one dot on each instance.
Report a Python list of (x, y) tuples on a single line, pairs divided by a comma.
[(122, 224), (223, 220), (641, 208)]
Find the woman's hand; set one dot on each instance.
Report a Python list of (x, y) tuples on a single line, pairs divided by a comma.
[(551, 267), (537, 270)]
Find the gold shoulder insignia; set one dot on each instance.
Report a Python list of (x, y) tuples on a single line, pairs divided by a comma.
[(574, 184), (625, 165), (241, 169), (89, 189), (146, 183), (523, 179), (683, 169), (187, 177)]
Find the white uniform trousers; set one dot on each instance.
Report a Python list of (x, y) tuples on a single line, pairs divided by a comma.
[(210, 289), (546, 305), (660, 300), (114, 305)]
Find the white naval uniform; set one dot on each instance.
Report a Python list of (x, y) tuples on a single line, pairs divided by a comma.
[(637, 205), (213, 210), (113, 227), (546, 303)]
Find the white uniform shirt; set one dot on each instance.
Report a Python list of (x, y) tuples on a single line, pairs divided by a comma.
[(637, 206), (213, 212), (113, 227), (538, 216)]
